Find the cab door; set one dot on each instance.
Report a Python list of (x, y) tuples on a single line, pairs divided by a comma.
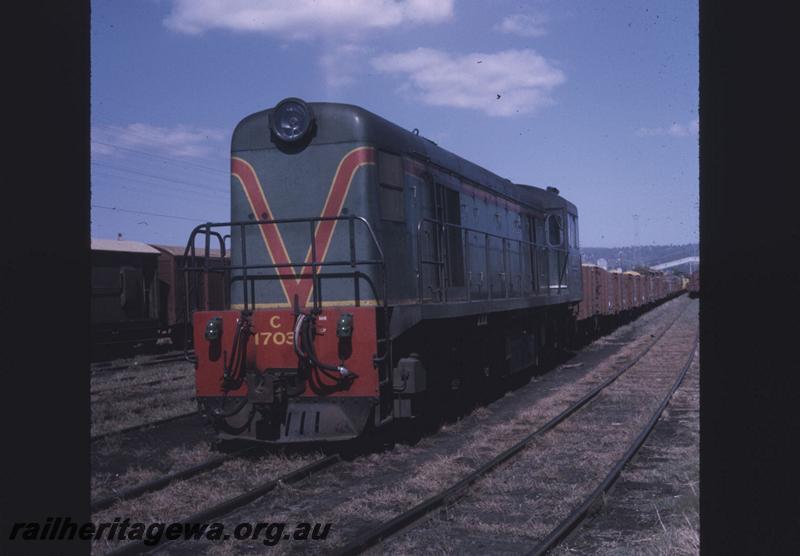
[(573, 277), (556, 251), (430, 244)]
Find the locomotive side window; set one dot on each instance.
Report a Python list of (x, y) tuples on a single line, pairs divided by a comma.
[(390, 190), (573, 230), (554, 230)]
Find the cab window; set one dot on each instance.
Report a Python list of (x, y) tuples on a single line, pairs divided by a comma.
[(554, 227), (573, 230)]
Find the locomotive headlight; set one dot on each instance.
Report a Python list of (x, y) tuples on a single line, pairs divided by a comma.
[(291, 120)]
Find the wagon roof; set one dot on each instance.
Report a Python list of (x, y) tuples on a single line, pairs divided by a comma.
[(179, 250), (122, 245)]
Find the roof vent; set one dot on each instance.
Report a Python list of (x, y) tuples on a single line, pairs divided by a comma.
[(552, 190)]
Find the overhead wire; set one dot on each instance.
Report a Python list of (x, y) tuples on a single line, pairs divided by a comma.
[(201, 191), (149, 213), (162, 157), (161, 188), (123, 169)]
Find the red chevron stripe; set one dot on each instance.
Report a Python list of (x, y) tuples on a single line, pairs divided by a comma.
[(323, 234)]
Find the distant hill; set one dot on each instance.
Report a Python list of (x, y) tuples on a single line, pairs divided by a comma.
[(631, 257)]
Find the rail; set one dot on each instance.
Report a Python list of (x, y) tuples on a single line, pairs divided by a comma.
[(577, 515), (230, 504), (373, 535)]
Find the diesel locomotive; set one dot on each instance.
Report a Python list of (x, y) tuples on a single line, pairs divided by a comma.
[(372, 273)]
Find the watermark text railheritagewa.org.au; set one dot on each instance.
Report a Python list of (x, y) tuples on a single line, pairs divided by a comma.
[(63, 528)]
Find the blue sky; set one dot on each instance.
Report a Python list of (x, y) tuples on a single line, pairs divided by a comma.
[(598, 99)]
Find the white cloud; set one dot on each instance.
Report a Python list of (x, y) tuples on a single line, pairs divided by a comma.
[(522, 78), (525, 25), (299, 19), (181, 140), (341, 64), (690, 129)]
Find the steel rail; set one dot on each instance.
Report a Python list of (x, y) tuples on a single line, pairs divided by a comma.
[(448, 496), (147, 363), (161, 356), (144, 425), (161, 482), (112, 387), (579, 513), (232, 503)]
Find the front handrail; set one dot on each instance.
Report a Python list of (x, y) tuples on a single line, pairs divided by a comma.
[(353, 261), (207, 231)]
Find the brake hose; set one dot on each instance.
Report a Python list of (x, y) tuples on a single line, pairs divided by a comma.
[(304, 347), (234, 365), (301, 317)]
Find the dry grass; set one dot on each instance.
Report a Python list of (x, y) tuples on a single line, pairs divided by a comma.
[(142, 379), (126, 399), (107, 446), (110, 417), (527, 497), (494, 513), (104, 484), (180, 500), (679, 539), (223, 548), (173, 459), (503, 503), (379, 486), (138, 375), (669, 519)]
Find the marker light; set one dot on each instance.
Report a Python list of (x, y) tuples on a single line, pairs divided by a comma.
[(213, 329), (344, 327)]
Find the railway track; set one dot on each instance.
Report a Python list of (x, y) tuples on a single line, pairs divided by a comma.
[(115, 387), (369, 538), (323, 495), (450, 495), (157, 484), (234, 502), (104, 367), (579, 513), (143, 426), (122, 401)]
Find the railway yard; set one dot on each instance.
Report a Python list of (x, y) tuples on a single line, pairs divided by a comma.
[(531, 468)]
